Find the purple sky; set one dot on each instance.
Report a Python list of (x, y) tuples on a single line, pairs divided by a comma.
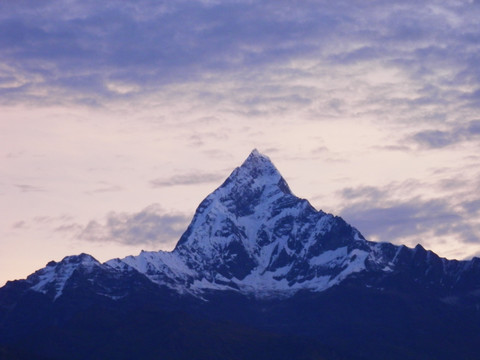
[(118, 118)]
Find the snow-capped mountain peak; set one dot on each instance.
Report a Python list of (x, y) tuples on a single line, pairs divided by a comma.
[(257, 166), (53, 278), (253, 235), (255, 182)]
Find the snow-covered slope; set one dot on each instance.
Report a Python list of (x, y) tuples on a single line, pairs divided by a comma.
[(53, 278)]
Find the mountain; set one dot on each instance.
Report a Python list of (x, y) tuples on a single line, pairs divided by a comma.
[(258, 271), (254, 236)]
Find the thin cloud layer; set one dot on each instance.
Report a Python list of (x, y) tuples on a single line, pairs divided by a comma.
[(457, 133), (151, 226), (382, 216), (395, 221), (26, 188)]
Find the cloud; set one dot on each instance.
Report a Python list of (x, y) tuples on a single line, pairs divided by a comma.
[(151, 226), (46, 220), (320, 150), (198, 139), (68, 228), (396, 213), (433, 139), (95, 52), (370, 192), (413, 217), (105, 187), (14, 155), (187, 179), (398, 64), (19, 225), (472, 207), (61, 223), (26, 188), (110, 49)]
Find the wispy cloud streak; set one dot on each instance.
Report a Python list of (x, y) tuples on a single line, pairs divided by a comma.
[(186, 179)]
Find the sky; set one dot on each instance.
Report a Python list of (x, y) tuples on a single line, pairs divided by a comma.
[(118, 118)]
